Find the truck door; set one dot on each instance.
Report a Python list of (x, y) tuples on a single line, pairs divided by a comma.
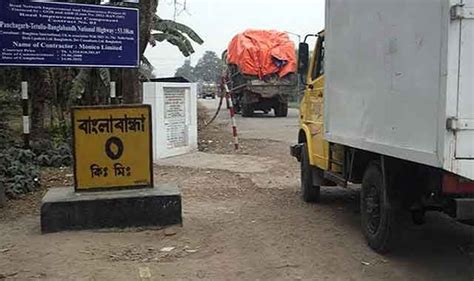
[(465, 115), (315, 104)]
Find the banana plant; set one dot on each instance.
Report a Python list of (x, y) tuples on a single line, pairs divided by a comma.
[(175, 33)]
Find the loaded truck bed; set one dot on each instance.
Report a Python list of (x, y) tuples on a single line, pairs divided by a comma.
[(402, 83), (260, 66)]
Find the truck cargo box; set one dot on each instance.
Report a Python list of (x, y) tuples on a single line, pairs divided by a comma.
[(400, 79)]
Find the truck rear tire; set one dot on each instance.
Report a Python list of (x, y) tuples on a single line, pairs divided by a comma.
[(236, 103), (309, 192), (247, 110), (281, 109), (377, 211)]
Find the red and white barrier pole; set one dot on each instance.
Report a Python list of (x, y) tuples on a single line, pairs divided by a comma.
[(228, 96)]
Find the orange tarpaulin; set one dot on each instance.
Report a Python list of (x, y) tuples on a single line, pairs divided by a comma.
[(262, 52)]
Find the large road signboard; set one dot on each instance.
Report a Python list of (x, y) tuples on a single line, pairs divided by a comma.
[(112, 147), (65, 34)]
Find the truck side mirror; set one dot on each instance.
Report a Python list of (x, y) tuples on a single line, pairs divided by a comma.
[(303, 59)]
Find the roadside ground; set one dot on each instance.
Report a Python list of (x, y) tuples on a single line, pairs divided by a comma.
[(243, 220)]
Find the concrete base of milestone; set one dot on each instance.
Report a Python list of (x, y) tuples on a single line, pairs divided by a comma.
[(64, 209)]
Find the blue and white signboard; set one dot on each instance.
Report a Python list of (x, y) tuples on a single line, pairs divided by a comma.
[(34, 33)]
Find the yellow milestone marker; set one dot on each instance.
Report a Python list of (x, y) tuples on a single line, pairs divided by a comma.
[(112, 147)]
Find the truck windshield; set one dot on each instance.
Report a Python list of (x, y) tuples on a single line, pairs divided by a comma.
[(318, 70)]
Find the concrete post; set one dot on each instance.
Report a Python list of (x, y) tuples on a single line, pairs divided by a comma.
[(26, 114)]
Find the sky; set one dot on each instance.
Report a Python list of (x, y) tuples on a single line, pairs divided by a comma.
[(217, 21)]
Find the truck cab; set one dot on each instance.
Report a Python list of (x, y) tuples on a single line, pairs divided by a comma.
[(209, 90), (311, 106), (390, 186), (323, 159)]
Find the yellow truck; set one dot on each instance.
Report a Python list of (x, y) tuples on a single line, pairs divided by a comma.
[(389, 104)]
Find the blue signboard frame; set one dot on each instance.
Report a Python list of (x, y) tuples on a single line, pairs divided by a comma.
[(57, 34)]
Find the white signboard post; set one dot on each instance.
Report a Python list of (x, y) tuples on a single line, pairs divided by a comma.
[(174, 109)]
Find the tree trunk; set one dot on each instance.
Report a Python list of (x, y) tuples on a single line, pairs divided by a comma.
[(60, 112), (131, 87), (147, 12), (3, 196), (38, 91), (131, 91)]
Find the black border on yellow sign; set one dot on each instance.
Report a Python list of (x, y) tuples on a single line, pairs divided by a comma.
[(73, 109)]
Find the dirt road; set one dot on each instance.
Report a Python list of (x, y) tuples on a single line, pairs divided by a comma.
[(243, 220)]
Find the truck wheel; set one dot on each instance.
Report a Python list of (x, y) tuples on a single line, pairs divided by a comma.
[(237, 107), (247, 110), (309, 192), (418, 217), (377, 212), (281, 110)]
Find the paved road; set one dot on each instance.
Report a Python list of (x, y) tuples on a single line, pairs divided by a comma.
[(262, 126)]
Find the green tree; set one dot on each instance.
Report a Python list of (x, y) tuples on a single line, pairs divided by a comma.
[(153, 29), (92, 85), (209, 67), (186, 71), (10, 78), (59, 88)]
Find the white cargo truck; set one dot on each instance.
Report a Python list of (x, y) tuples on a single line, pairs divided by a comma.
[(389, 103)]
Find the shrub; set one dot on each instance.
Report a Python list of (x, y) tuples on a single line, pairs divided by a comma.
[(61, 133), (18, 171), (48, 154)]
